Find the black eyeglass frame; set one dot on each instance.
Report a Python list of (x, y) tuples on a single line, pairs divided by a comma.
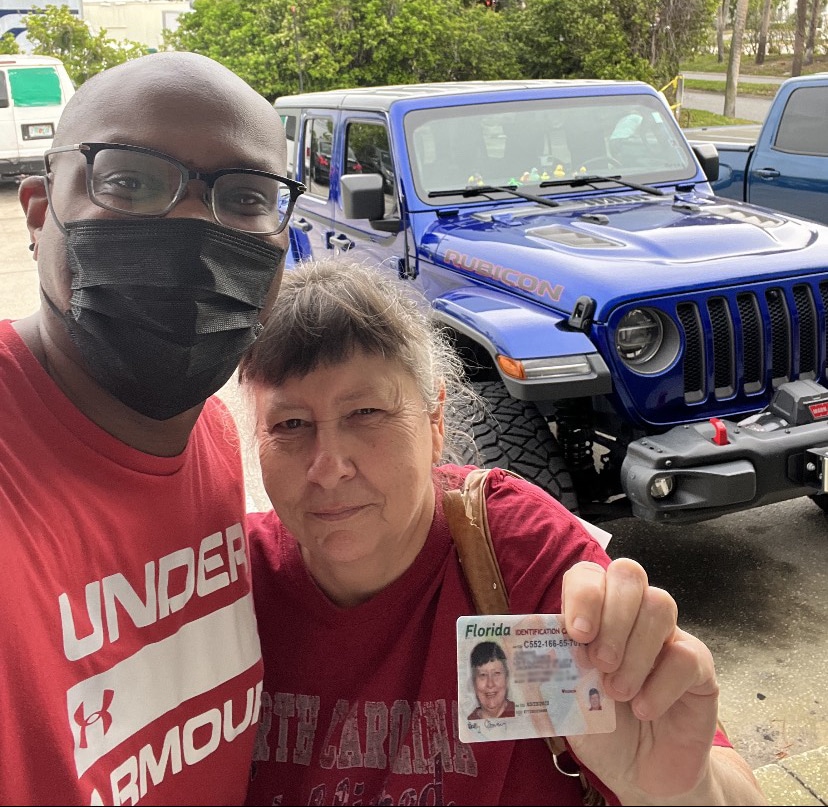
[(90, 151)]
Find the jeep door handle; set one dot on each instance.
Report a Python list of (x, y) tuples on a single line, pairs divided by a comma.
[(340, 240), (302, 224), (767, 173)]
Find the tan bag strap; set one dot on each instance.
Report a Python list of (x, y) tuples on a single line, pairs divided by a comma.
[(469, 525), (468, 521)]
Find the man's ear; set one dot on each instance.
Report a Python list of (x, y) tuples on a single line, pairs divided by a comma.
[(35, 204)]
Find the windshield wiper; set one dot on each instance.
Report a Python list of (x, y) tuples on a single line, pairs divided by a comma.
[(590, 179), (476, 190)]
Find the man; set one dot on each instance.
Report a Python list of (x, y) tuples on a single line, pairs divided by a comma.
[(130, 665)]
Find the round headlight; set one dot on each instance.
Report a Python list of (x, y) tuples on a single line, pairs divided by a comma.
[(639, 336)]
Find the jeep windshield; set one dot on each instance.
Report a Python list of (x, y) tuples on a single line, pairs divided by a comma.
[(547, 146)]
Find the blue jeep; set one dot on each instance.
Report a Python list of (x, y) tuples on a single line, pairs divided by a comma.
[(644, 347)]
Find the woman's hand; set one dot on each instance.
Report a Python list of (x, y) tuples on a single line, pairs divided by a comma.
[(663, 681)]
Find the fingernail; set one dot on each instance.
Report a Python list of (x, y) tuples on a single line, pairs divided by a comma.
[(582, 624), (640, 711), (607, 655)]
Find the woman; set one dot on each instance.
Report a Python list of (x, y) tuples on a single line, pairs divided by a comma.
[(490, 679), (358, 588)]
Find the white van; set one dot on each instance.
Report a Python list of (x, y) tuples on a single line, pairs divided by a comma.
[(33, 92)]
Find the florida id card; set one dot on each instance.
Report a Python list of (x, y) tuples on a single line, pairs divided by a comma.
[(521, 676)]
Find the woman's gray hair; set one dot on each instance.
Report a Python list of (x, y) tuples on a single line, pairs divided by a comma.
[(326, 310)]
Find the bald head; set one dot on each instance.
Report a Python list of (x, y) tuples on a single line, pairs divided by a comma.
[(158, 87)]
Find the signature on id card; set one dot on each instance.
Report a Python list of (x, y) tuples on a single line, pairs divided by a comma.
[(521, 676)]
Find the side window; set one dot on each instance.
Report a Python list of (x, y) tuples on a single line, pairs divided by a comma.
[(35, 86), (4, 91), (369, 152), (802, 128), (290, 121), (318, 154)]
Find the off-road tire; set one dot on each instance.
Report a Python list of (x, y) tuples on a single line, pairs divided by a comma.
[(513, 434)]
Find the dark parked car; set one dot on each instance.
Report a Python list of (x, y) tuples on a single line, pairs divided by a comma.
[(321, 162)]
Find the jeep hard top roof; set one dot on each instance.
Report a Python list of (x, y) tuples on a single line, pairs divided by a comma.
[(382, 98)]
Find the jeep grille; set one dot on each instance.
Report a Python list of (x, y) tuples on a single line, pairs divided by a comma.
[(754, 339)]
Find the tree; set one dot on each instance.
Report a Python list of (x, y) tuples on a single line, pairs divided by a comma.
[(8, 44), (55, 31), (279, 45), (734, 61), (762, 47), (253, 39), (813, 23), (581, 39), (644, 39), (799, 37), (341, 43), (678, 28)]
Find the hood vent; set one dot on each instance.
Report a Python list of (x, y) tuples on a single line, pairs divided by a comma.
[(756, 217), (571, 238)]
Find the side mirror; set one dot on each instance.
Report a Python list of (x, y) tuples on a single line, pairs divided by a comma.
[(708, 155), (362, 196)]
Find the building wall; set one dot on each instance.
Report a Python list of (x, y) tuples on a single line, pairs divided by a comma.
[(136, 20)]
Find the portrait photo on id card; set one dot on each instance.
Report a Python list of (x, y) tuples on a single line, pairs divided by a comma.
[(521, 676)]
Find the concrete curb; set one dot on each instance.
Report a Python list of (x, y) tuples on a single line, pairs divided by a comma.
[(801, 779)]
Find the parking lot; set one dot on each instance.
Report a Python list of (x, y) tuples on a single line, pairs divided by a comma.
[(753, 586)]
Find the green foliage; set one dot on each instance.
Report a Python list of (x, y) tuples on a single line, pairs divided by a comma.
[(630, 39), (251, 38), (282, 46), (55, 31), (698, 118), (577, 39), (285, 46), (8, 44), (425, 40)]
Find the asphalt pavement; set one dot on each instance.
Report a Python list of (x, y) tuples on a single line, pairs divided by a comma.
[(742, 78)]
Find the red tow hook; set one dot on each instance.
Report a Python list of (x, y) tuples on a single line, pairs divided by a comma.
[(720, 434)]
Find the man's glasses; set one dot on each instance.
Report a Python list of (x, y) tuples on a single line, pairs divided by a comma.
[(138, 181)]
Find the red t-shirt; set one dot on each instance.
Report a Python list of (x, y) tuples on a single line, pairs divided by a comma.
[(130, 666), (360, 704)]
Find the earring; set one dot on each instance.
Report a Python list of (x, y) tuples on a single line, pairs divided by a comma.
[(31, 247)]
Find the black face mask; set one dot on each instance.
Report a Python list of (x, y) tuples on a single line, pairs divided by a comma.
[(163, 309)]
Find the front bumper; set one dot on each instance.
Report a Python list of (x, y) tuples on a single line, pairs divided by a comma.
[(685, 476)]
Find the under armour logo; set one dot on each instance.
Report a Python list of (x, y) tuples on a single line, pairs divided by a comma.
[(84, 721)]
